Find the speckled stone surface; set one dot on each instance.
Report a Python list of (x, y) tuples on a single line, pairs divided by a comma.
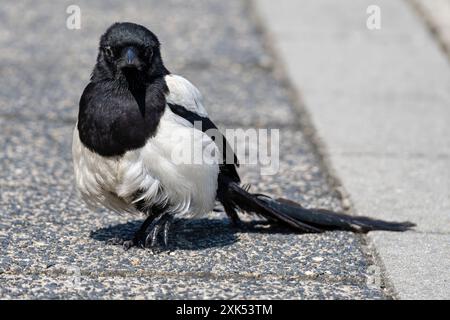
[(52, 246), (173, 287)]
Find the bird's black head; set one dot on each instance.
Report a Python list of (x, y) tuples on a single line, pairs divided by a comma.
[(128, 51)]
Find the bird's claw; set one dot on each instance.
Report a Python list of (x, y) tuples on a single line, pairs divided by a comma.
[(161, 223), (148, 240), (115, 241), (128, 244)]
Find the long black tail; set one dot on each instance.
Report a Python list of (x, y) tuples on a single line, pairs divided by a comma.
[(292, 214)]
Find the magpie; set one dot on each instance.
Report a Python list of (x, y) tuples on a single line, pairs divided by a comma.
[(133, 115)]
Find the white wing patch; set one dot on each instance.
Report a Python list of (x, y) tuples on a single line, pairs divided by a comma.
[(185, 94)]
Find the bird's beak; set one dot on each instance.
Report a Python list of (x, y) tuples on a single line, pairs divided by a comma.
[(130, 58), (130, 55)]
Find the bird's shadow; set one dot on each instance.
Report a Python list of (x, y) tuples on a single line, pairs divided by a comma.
[(192, 234)]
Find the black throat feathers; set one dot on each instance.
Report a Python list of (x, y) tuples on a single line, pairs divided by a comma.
[(117, 116)]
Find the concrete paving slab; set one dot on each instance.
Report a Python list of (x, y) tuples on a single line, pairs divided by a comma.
[(371, 83), (396, 134), (426, 263), (379, 100), (403, 190), (437, 15)]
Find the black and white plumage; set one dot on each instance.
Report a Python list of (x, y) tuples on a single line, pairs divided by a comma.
[(133, 115)]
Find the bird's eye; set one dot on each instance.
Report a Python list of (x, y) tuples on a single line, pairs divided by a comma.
[(108, 51), (149, 52)]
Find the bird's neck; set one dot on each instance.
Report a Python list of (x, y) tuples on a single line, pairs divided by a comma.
[(133, 80)]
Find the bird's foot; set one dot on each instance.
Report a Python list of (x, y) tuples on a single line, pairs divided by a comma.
[(126, 244), (160, 226), (148, 235), (116, 241), (237, 223)]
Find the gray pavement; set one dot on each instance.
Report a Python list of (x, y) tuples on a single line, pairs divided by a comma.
[(52, 246), (379, 100), (437, 15)]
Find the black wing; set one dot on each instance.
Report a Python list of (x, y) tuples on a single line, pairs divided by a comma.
[(226, 169)]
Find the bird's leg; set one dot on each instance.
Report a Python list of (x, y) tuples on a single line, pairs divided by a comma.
[(232, 214), (166, 232), (158, 220), (139, 235), (163, 221)]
